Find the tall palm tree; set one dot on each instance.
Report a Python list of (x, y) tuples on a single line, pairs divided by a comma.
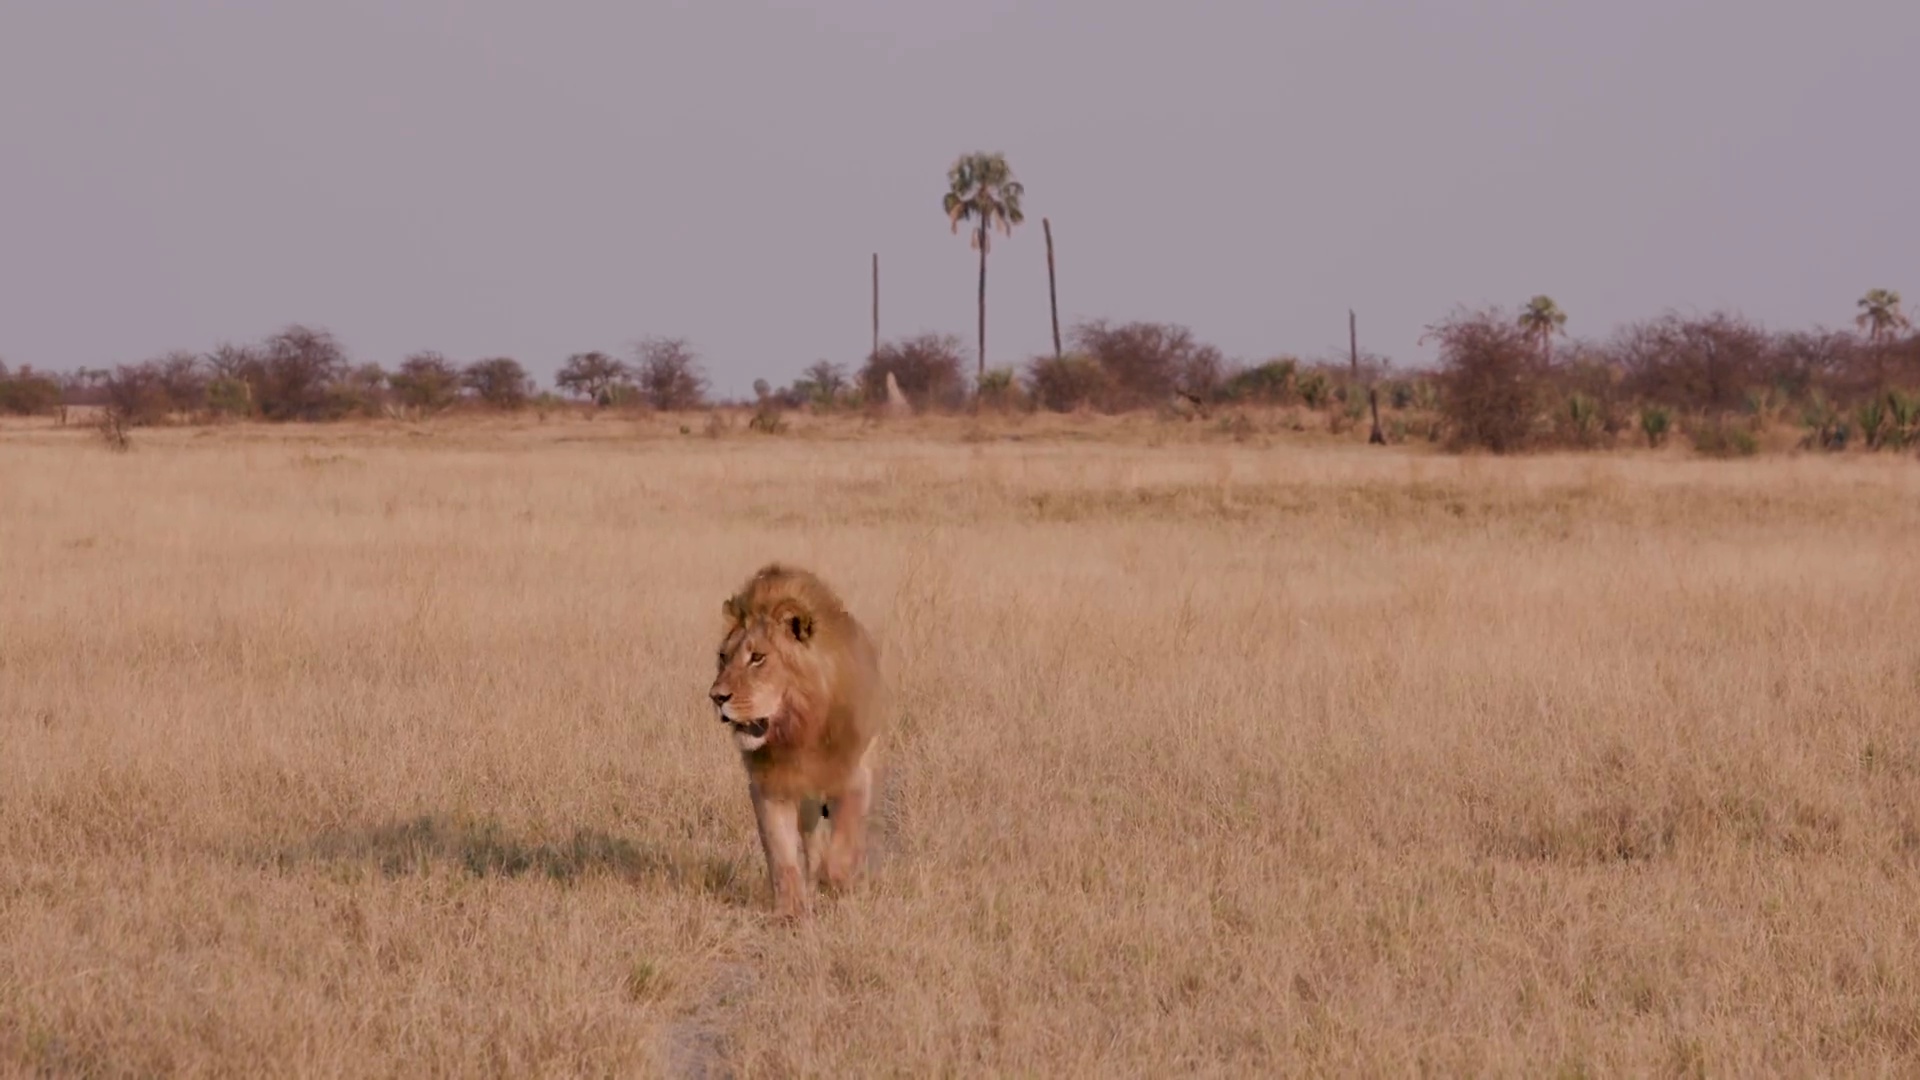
[(1541, 319), (1880, 315), (981, 190)]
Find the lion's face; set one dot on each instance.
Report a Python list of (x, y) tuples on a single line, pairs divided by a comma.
[(758, 670)]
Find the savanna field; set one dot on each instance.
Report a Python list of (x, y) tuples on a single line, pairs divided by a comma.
[(382, 749)]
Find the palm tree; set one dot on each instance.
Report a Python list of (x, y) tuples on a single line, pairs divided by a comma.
[(1880, 315), (981, 189), (1541, 319)]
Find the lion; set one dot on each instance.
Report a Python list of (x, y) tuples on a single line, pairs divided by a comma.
[(799, 686)]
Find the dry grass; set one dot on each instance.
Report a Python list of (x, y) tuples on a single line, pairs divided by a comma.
[(380, 750)]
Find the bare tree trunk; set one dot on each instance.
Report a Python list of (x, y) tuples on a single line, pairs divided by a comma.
[(1353, 343), (1053, 295), (983, 304), (1374, 437), (876, 304)]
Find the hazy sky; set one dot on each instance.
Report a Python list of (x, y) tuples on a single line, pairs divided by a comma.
[(490, 177)]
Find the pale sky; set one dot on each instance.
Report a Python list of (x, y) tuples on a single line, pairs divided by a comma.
[(534, 179)]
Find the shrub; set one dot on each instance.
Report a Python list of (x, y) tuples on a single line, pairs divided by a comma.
[(1066, 383), (1315, 389), (1491, 380), (591, 375), (1654, 424), (28, 393), (1145, 362), (293, 372), (1580, 421), (233, 373), (500, 382), (229, 397), (183, 380), (1825, 428), (998, 389), (1270, 383), (1700, 365), (669, 374), (84, 386), (135, 396), (823, 386), (544, 403), (1416, 394), (427, 382), (1235, 426), (1890, 420), (1592, 385), (1900, 359), (232, 361), (1871, 416), (360, 392), (767, 419), (927, 367), (1798, 365), (1903, 419), (1717, 438), (112, 427), (149, 392)]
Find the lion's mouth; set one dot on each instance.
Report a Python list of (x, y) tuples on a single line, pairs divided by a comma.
[(752, 729)]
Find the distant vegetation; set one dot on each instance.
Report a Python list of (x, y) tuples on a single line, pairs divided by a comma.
[(1504, 383), (1717, 381)]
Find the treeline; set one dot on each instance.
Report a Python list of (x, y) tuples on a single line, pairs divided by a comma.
[(1503, 382), (1112, 368), (303, 373), (1718, 380)]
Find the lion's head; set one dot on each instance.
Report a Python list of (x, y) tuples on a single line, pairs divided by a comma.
[(776, 660)]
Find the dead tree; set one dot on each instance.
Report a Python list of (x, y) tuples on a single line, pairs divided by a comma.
[(1053, 295), (1374, 437)]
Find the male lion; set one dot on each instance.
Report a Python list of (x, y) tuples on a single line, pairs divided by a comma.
[(799, 683)]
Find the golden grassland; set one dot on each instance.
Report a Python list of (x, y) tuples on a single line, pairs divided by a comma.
[(381, 749)]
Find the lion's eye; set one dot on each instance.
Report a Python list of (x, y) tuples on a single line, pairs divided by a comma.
[(756, 659)]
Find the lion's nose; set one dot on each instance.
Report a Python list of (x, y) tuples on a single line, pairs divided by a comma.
[(719, 698)]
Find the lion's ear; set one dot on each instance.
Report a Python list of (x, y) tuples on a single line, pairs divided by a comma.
[(733, 609), (795, 619)]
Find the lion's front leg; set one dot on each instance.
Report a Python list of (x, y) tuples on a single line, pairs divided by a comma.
[(847, 846), (779, 821), (813, 840)]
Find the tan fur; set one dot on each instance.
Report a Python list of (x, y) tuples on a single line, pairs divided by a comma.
[(794, 657)]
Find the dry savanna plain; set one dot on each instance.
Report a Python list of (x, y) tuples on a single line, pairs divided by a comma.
[(382, 749)]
